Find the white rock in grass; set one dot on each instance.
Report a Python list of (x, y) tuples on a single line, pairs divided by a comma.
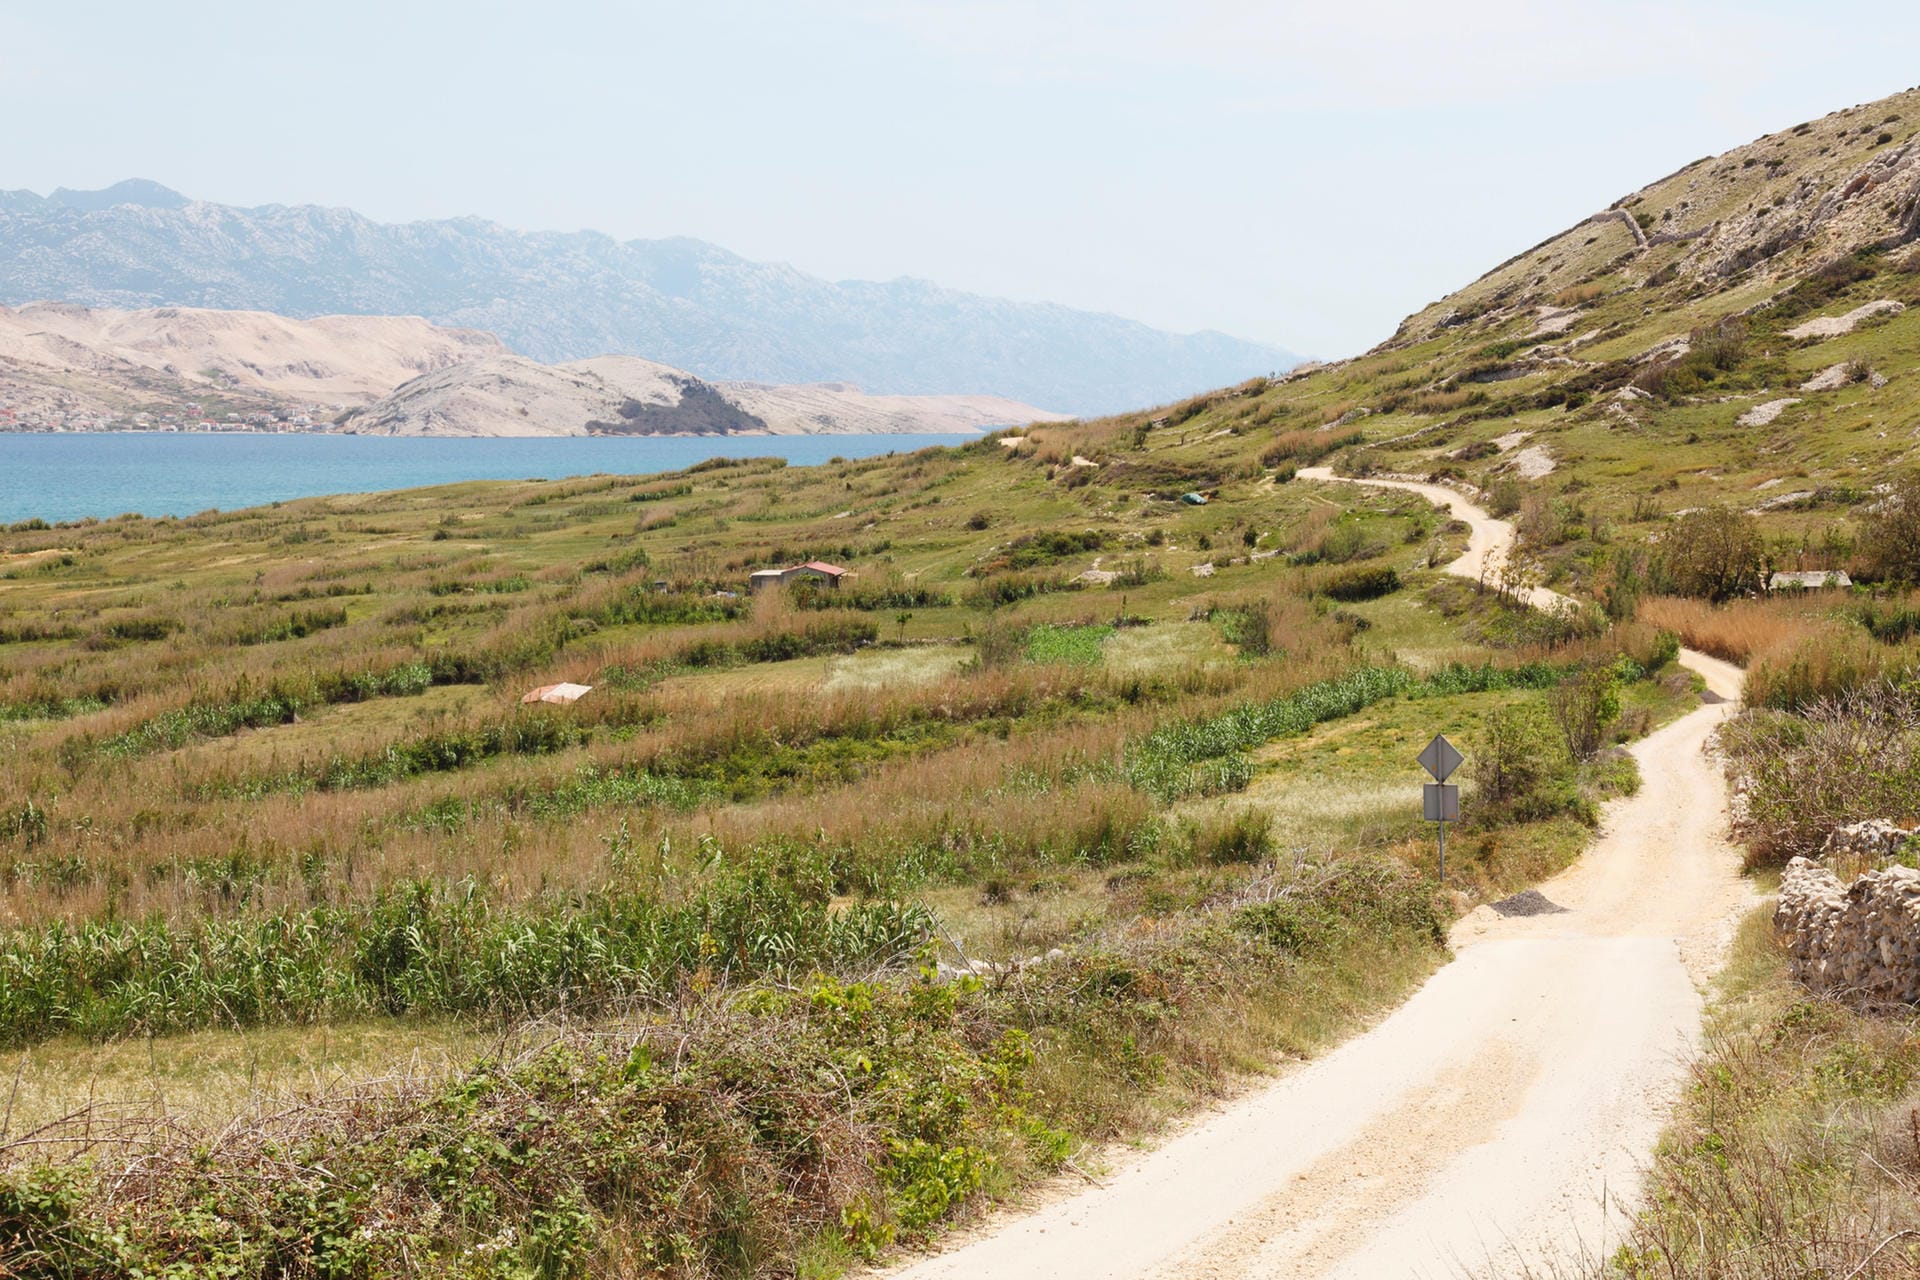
[(1761, 414)]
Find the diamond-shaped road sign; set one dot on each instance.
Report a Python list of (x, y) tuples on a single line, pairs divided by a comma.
[(1440, 759)]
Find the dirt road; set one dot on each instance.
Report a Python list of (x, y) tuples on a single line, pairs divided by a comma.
[(1500, 1116)]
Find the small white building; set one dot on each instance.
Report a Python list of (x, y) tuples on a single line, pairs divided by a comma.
[(1809, 580), (817, 570)]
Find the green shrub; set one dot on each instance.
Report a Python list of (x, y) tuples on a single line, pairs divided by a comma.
[(1361, 584), (997, 645), (1890, 539), (1073, 645), (430, 950), (1503, 499), (1584, 707), (1249, 626), (1244, 835), (1010, 588), (1521, 767), (1713, 552), (1895, 622)]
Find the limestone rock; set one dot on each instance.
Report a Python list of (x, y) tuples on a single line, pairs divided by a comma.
[(1859, 942)]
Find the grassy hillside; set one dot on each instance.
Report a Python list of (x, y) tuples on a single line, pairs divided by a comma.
[(1597, 383), (828, 913)]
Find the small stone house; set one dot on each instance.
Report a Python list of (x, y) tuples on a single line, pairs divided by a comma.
[(1811, 580), (818, 571)]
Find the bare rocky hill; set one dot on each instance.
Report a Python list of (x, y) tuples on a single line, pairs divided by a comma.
[(63, 365), (59, 362), (507, 395), (1773, 211)]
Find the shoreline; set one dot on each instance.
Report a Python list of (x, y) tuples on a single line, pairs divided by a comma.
[(977, 432)]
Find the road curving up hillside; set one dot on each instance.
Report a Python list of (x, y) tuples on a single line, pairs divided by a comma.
[(1499, 1118)]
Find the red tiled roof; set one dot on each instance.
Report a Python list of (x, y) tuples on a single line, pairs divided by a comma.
[(822, 566)]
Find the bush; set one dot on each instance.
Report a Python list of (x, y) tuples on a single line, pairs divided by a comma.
[(1245, 835), (1029, 550), (1713, 553), (1890, 538), (1894, 622), (1503, 499), (997, 645), (1248, 626), (1010, 588), (1361, 584), (1327, 906), (1585, 708), (1715, 351), (1651, 649), (1522, 768), (1341, 542), (1138, 571), (1824, 285), (1839, 760)]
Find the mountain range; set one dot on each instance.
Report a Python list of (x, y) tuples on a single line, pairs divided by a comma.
[(565, 296)]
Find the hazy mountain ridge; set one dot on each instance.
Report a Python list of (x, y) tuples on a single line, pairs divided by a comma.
[(559, 296)]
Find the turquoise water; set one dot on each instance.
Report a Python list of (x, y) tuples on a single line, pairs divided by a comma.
[(69, 477)]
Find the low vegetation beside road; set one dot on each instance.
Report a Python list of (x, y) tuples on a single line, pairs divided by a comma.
[(986, 861)]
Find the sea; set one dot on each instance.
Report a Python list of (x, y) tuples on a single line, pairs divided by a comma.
[(57, 477)]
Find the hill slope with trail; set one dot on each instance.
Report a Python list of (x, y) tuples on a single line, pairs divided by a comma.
[(1500, 1117)]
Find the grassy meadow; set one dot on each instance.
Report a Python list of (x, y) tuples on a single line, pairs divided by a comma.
[(1024, 829)]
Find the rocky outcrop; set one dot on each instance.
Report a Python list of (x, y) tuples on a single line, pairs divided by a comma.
[(1762, 414), (1834, 326), (1875, 838), (510, 395), (1858, 942), (1632, 224)]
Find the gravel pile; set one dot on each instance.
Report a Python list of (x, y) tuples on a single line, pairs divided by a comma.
[(1528, 902)]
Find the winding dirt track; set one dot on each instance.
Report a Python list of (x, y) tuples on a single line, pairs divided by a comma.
[(1500, 1117)]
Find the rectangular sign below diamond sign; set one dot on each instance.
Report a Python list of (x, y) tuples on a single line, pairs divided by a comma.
[(1439, 799)]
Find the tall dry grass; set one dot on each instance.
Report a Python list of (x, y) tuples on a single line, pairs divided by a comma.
[(1797, 649), (1742, 630)]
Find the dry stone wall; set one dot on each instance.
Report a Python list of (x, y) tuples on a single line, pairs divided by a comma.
[(1859, 941)]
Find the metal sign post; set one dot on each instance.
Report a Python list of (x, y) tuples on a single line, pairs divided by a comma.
[(1440, 801)]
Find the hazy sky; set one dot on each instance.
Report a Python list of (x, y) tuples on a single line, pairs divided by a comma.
[(1304, 174)]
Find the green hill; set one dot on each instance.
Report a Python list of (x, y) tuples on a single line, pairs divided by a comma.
[(1736, 333)]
